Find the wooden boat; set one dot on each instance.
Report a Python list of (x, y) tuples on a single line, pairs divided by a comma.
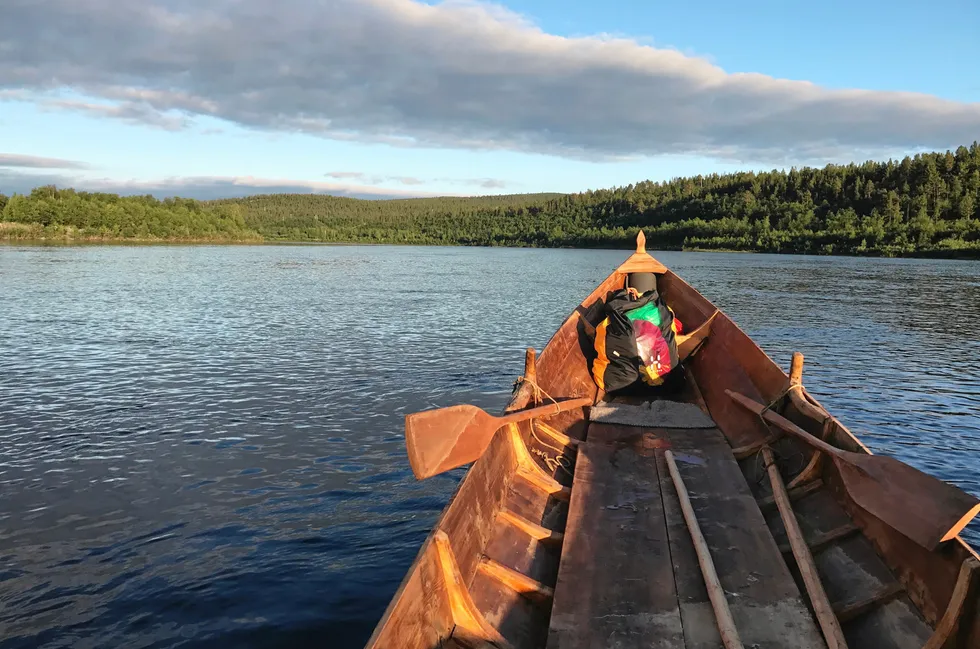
[(568, 533)]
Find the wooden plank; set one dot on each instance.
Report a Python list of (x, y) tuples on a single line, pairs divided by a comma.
[(820, 541), (522, 622), (949, 624), (517, 581), (517, 563), (533, 530), (749, 450), (469, 522), (518, 551), (765, 601), (716, 371), (796, 493), (419, 616), (556, 435), (847, 611), (615, 583), (531, 503), (464, 612)]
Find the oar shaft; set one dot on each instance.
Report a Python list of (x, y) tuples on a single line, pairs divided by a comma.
[(822, 608), (782, 423), (542, 411), (716, 594)]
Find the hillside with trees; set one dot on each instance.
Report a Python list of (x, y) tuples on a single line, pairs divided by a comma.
[(928, 204), (48, 213)]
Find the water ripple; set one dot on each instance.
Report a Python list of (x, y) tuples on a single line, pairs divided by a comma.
[(203, 445)]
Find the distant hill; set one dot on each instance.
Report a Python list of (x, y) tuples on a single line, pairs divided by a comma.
[(928, 205), (478, 220)]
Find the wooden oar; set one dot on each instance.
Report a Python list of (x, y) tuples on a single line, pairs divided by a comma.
[(716, 594), (443, 439), (822, 608), (923, 508)]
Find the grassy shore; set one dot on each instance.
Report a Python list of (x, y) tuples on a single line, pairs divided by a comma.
[(39, 233)]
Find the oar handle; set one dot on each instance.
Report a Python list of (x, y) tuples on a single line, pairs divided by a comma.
[(542, 411), (785, 424)]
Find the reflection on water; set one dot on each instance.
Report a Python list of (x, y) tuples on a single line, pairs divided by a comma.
[(201, 446)]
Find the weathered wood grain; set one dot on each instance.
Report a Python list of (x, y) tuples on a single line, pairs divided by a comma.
[(616, 581)]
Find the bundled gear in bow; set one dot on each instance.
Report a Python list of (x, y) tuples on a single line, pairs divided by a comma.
[(636, 339)]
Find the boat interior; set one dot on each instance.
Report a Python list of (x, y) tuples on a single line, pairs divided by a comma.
[(568, 533)]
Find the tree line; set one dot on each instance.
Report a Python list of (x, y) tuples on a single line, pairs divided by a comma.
[(52, 213), (926, 204)]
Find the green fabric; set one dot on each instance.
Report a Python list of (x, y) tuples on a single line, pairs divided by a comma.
[(649, 311)]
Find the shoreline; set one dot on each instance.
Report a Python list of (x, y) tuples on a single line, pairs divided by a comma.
[(962, 255)]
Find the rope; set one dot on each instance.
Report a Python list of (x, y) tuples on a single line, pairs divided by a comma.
[(773, 403), (777, 456), (559, 460), (552, 462), (533, 384)]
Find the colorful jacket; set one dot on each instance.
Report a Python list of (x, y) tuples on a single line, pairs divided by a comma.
[(635, 341)]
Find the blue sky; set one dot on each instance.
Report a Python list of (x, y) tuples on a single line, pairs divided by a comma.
[(395, 98)]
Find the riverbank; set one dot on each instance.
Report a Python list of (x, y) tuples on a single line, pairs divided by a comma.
[(928, 206), (37, 234)]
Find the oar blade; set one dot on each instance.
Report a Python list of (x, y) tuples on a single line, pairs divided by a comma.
[(923, 508), (687, 343), (920, 506), (443, 439)]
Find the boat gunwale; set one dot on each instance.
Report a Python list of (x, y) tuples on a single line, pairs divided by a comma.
[(955, 550)]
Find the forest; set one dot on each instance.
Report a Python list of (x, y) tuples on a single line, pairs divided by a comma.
[(928, 205), (48, 213)]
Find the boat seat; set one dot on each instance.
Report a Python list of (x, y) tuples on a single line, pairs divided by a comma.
[(629, 575)]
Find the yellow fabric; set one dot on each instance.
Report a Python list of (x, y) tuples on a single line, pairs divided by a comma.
[(601, 361), (648, 376)]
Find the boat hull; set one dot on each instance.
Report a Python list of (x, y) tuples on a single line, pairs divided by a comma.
[(499, 566)]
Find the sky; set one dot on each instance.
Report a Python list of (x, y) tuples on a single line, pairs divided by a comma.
[(397, 98)]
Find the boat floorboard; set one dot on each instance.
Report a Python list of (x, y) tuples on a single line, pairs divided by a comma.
[(849, 567), (629, 575), (615, 584)]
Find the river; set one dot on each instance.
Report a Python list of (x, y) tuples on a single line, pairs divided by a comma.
[(202, 446)]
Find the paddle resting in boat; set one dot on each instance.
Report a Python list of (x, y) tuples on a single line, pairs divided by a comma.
[(735, 513)]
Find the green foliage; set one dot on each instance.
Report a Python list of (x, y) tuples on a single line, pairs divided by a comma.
[(927, 204), (916, 205), (67, 214)]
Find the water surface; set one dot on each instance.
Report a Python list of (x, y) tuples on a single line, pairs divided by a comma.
[(202, 445)]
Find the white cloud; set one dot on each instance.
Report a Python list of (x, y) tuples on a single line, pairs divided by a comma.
[(485, 183), (200, 187), (36, 162), (457, 74), (129, 111)]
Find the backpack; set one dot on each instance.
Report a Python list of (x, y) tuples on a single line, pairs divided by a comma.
[(635, 341)]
